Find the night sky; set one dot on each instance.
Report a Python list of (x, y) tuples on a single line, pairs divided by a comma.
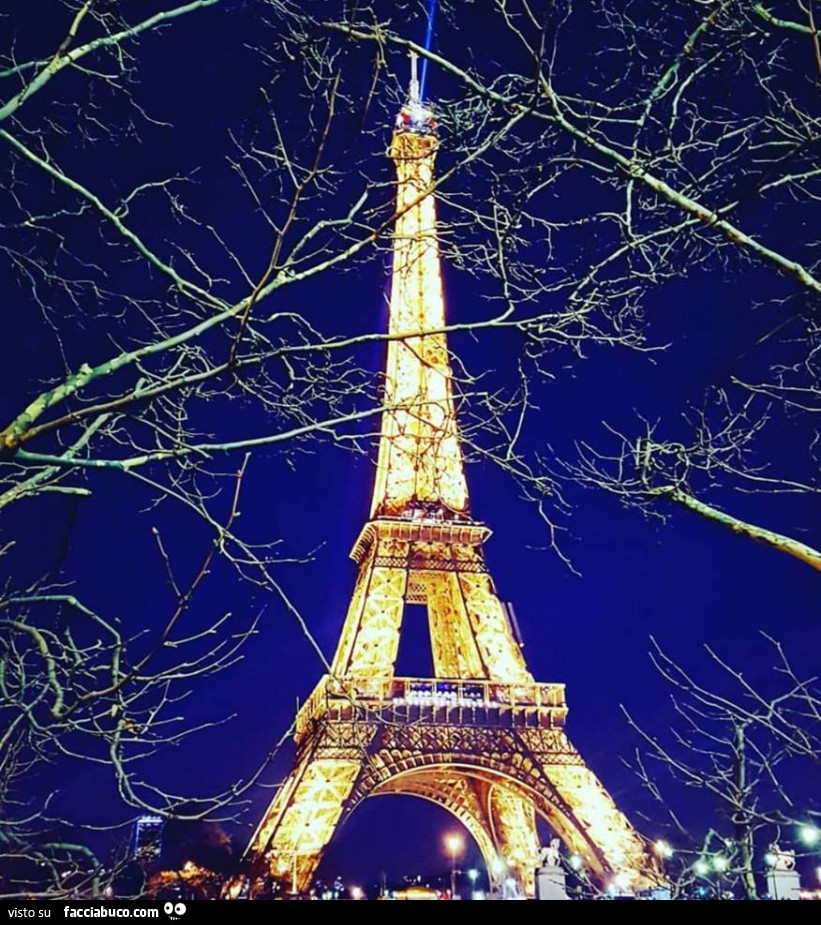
[(686, 582)]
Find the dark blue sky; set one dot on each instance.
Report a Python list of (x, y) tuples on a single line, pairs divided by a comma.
[(686, 582)]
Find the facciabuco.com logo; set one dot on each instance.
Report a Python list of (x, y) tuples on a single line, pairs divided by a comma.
[(174, 911), (109, 911)]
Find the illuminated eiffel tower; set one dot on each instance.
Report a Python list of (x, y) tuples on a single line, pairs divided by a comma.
[(482, 738)]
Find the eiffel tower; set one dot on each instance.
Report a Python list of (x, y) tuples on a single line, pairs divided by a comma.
[(481, 738)]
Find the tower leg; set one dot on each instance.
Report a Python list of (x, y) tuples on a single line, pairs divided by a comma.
[(302, 819), (498, 649), (370, 637), (513, 823), (601, 832), (582, 813)]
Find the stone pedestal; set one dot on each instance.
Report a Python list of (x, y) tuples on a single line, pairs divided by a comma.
[(659, 892), (550, 883), (783, 884)]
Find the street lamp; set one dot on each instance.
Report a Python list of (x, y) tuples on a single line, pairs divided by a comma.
[(454, 843), (720, 866), (620, 884), (810, 835), (496, 872), (473, 876), (357, 892), (702, 868), (663, 849)]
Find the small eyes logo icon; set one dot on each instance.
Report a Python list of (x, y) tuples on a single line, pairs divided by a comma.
[(174, 911)]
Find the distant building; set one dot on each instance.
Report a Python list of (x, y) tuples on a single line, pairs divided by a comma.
[(146, 841)]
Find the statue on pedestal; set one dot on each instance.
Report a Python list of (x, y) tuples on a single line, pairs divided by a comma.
[(551, 855), (784, 860), (783, 881), (550, 877)]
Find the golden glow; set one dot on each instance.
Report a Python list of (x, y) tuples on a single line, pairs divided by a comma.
[(204, 883), (419, 454), (234, 887)]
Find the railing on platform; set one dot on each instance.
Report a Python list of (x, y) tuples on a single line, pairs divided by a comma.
[(433, 700)]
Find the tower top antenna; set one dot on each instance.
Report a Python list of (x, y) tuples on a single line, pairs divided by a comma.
[(414, 98), (414, 117)]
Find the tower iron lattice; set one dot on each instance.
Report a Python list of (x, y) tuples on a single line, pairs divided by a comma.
[(481, 738)]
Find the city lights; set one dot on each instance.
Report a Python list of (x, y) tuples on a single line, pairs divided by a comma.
[(455, 845), (663, 849), (720, 863), (702, 868), (810, 835), (621, 883)]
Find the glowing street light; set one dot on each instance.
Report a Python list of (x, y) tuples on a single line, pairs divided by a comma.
[(663, 849), (357, 892), (720, 863), (455, 845), (702, 868), (770, 859), (810, 835), (620, 884), (473, 876), (575, 862)]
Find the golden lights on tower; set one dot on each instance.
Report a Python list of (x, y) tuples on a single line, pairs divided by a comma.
[(481, 738), (420, 460)]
